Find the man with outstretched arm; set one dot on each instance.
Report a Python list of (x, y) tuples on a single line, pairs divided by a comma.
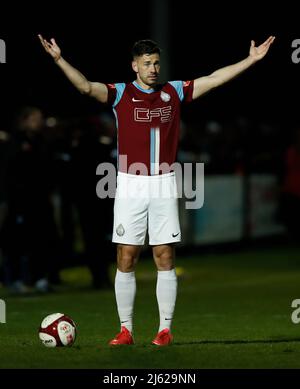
[(148, 118)]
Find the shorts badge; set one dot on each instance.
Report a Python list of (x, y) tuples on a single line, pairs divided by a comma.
[(120, 230)]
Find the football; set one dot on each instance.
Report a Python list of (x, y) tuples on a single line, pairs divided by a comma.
[(57, 330)]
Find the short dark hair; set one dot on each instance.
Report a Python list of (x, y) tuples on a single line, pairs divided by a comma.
[(145, 46)]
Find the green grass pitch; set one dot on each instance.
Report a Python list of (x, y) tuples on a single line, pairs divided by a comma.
[(233, 311)]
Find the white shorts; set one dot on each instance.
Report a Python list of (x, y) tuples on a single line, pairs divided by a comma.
[(146, 203)]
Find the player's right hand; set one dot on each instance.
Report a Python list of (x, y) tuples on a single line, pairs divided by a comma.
[(51, 48)]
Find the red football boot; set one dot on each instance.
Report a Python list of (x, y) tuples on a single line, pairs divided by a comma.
[(123, 337), (163, 338)]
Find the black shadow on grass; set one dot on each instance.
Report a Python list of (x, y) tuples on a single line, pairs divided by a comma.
[(202, 342), (238, 341)]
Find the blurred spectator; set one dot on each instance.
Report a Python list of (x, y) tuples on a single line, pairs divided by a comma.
[(30, 237), (4, 154), (290, 202), (265, 148), (86, 144)]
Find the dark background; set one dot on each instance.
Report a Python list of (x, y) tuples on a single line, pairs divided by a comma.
[(97, 39)]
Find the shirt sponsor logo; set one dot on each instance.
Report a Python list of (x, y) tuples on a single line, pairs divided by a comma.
[(146, 115)]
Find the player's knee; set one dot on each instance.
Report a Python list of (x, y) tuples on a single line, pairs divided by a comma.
[(164, 260), (126, 262)]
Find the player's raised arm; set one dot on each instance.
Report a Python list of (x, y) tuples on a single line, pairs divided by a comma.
[(94, 89), (203, 85)]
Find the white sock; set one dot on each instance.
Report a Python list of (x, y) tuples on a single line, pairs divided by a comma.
[(166, 292), (125, 288)]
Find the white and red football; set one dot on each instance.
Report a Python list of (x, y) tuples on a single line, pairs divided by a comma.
[(57, 330)]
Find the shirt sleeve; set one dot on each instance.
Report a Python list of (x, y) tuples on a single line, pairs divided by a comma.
[(111, 93), (115, 93), (188, 88)]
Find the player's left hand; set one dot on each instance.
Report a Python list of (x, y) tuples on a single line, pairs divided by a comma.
[(257, 53)]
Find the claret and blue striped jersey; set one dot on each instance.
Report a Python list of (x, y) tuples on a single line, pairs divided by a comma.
[(148, 123)]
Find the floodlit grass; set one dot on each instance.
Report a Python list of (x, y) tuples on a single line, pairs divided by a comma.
[(233, 311)]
